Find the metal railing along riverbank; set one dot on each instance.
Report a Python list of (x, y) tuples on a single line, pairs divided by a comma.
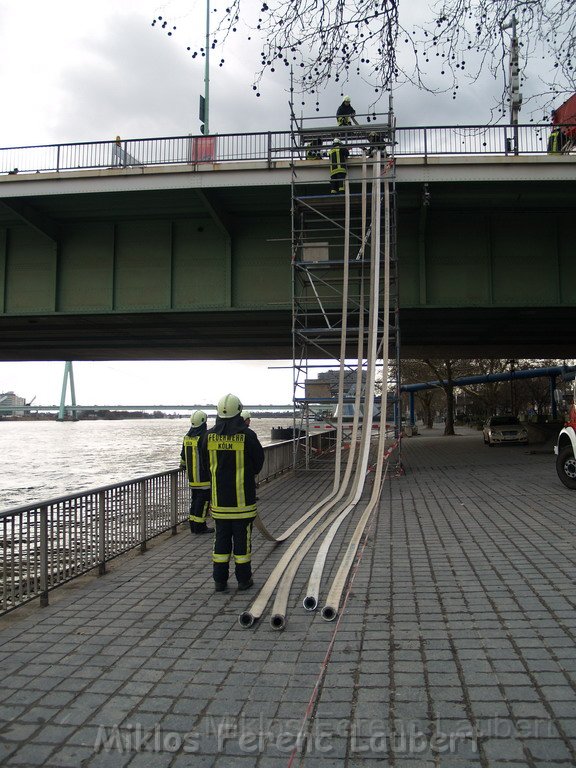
[(270, 146), (45, 545)]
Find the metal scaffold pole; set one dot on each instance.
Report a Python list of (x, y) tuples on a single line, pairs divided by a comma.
[(326, 280)]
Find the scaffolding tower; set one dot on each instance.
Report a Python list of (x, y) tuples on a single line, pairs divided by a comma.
[(333, 236)]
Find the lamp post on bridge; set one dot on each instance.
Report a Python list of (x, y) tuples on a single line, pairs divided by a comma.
[(204, 111), (514, 84)]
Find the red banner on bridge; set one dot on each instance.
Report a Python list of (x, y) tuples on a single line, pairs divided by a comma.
[(203, 149)]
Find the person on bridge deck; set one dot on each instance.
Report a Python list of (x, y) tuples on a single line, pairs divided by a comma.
[(338, 156), (557, 141), (246, 415), (314, 149), (198, 477), (346, 114), (376, 140), (234, 456)]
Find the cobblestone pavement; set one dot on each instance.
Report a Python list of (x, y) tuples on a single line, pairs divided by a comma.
[(455, 649)]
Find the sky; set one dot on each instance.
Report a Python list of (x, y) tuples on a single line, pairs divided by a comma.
[(81, 70), (169, 382)]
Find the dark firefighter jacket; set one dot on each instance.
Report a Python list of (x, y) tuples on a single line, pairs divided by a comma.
[(557, 141), (338, 156), (234, 455), (344, 113), (198, 476)]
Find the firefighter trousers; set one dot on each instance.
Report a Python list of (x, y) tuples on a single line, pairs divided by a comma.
[(337, 182), (199, 505), (233, 538)]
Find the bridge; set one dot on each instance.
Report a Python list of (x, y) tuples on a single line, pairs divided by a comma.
[(181, 247)]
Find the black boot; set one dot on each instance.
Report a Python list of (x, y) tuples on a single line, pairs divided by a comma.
[(203, 528)]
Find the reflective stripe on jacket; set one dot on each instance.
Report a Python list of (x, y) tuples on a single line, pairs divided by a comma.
[(198, 476), (234, 456), (556, 141), (338, 157)]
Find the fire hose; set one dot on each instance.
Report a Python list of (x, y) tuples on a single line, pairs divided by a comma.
[(278, 619), (292, 558), (330, 609)]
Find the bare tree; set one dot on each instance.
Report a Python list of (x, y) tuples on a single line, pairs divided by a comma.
[(445, 372), (427, 400), (488, 395), (535, 392), (331, 40)]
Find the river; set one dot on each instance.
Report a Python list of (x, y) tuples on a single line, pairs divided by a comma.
[(41, 460)]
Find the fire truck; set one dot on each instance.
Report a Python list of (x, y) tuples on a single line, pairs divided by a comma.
[(565, 448), (565, 116)]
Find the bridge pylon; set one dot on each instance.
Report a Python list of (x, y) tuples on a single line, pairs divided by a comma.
[(68, 377)]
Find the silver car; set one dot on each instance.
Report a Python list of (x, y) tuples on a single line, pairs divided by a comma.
[(504, 429)]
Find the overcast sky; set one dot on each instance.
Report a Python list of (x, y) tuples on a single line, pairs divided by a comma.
[(81, 70), (87, 70)]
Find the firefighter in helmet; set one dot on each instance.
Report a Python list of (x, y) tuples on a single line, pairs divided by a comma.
[(338, 156), (557, 141), (346, 114), (234, 456), (198, 477)]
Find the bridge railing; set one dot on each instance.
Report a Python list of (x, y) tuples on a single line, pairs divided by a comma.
[(198, 151), (45, 545)]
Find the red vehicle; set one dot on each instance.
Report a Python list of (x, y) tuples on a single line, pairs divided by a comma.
[(565, 116)]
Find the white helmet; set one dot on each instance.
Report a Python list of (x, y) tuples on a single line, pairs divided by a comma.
[(336, 141), (229, 406), (198, 418), (246, 415), (346, 98)]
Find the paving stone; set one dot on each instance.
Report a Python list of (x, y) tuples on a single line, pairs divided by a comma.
[(70, 756), (17, 732), (32, 755), (109, 760), (529, 709), (549, 749), (193, 759)]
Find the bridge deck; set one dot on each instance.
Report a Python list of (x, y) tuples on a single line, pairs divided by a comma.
[(372, 134), (460, 621)]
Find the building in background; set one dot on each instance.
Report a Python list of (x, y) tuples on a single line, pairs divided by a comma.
[(10, 399)]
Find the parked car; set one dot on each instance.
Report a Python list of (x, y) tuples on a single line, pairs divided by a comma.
[(504, 429)]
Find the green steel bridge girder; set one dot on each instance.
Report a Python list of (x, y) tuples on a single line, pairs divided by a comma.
[(485, 267)]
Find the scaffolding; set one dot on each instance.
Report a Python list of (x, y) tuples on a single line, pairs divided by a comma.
[(345, 300), (333, 242)]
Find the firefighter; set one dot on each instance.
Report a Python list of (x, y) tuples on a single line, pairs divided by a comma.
[(346, 114), (234, 456), (376, 140), (246, 415), (557, 141), (338, 156), (198, 477), (314, 149)]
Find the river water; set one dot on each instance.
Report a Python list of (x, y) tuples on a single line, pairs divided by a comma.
[(40, 460)]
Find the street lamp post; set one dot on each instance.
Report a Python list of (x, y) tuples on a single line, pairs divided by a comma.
[(514, 84), (204, 113)]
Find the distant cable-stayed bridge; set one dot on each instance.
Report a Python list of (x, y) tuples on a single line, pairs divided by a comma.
[(202, 407)]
